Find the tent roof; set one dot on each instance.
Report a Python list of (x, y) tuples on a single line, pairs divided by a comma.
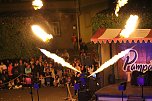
[(109, 35)]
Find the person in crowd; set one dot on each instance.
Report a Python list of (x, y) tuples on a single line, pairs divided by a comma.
[(68, 80), (77, 83), (36, 69), (1, 84), (47, 72), (4, 77), (82, 81), (2, 67), (90, 70), (77, 66), (41, 69), (27, 81), (72, 79), (63, 80), (10, 73), (74, 61), (15, 70), (17, 83), (21, 67), (40, 59), (83, 69), (48, 77), (34, 75), (28, 72), (82, 57), (57, 52), (32, 61), (28, 69), (59, 73), (74, 40), (83, 46), (21, 70), (65, 55), (45, 67), (56, 81), (11, 84), (51, 67), (42, 80)]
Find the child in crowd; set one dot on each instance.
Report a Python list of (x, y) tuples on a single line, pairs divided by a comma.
[(76, 88), (56, 81), (63, 80), (42, 80), (28, 70), (77, 83), (18, 84), (11, 84), (28, 81), (69, 80), (48, 76)]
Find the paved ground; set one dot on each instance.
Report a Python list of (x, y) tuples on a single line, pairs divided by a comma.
[(131, 90), (45, 94)]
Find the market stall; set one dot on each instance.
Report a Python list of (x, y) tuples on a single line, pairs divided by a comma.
[(139, 59)]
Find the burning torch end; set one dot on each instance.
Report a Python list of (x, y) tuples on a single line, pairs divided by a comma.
[(91, 74), (79, 71), (38, 48)]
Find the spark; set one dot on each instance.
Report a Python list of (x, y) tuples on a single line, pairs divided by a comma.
[(58, 59), (41, 33), (37, 4), (120, 3), (113, 60), (130, 26)]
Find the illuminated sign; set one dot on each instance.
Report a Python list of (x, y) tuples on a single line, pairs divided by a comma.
[(131, 65)]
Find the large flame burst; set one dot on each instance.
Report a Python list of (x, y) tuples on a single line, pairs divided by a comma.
[(37, 4), (131, 24), (41, 33), (120, 3), (111, 61), (58, 59)]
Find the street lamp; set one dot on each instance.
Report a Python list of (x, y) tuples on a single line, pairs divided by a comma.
[(78, 21)]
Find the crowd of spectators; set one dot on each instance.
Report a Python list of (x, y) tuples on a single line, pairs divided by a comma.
[(46, 72)]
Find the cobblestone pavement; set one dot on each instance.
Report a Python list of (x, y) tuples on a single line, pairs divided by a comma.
[(45, 94)]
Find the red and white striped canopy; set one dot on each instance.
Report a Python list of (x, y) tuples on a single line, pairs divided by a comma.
[(109, 35)]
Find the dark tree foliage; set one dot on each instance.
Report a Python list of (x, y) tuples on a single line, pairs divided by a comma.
[(107, 18), (17, 38)]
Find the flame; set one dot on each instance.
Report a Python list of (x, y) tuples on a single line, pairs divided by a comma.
[(130, 26), (58, 59), (41, 33), (112, 61), (120, 3), (37, 4)]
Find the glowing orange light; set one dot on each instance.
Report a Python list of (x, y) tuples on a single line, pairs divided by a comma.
[(58, 59), (37, 4), (41, 33), (120, 3), (113, 60), (130, 26)]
